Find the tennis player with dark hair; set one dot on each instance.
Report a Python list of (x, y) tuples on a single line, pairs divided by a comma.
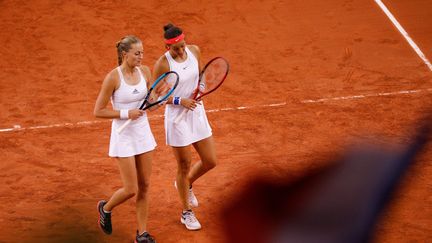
[(193, 129), (126, 86)]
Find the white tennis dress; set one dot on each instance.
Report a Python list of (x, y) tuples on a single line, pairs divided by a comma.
[(194, 125), (137, 137)]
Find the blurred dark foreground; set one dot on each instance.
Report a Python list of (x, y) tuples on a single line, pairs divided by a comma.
[(338, 203)]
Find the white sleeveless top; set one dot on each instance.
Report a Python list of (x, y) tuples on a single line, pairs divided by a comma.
[(129, 96), (194, 125), (137, 137)]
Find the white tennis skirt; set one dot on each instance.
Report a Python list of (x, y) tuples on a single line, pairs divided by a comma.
[(136, 138), (192, 128)]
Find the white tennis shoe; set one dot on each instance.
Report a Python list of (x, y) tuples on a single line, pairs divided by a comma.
[(189, 220), (193, 201)]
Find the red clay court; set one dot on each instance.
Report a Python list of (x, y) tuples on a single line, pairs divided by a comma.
[(307, 78)]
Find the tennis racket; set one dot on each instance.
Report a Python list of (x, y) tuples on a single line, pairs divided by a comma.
[(211, 77), (159, 92)]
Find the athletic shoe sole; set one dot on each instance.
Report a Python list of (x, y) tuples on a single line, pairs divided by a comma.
[(183, 222)]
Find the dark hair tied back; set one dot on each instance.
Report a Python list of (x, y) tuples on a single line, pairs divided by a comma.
[(171, 31), (168, 26)]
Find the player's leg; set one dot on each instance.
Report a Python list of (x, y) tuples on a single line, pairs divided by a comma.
[(183, 156), (130, 186), (207, 152), (144, 168), (128, 175)]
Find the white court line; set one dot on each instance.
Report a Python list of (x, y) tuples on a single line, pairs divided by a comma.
[(352, 97), (84, 123), (404, 33)]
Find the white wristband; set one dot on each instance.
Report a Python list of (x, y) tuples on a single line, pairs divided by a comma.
[(124, 114)]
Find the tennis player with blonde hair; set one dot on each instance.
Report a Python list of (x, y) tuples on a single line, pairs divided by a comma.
[(126, 86)]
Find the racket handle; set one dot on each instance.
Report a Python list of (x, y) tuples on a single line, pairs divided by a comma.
[(180, 116), (120, 129)]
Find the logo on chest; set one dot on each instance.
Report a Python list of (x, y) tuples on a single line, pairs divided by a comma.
[(135, 91)]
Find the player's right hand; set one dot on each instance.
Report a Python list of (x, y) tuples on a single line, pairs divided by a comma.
[(189, 104), (135, 114)]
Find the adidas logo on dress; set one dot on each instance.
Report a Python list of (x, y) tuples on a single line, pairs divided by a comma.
[(135, 91)]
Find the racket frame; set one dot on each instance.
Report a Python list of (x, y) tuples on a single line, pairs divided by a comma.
[(199, 95), (146, 105)]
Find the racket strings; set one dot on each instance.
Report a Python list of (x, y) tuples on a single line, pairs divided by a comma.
[(163, 88), (213, 75)]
